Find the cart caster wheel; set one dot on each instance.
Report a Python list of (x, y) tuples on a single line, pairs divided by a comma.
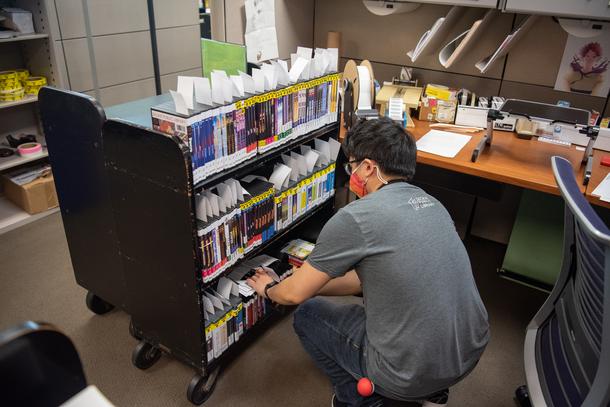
[(201, 388), (97, 305), (133, 332), (523, 397), (145, 355)]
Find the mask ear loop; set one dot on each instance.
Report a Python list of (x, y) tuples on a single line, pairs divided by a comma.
[(379, 177)]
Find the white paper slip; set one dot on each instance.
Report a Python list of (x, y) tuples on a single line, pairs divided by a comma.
[(179, 102), (603, 189), (443, 143)]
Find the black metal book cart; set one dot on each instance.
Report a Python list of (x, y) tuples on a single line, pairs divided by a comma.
[(152, 213)]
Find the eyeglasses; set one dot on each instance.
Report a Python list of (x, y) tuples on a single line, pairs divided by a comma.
[(348, 168)]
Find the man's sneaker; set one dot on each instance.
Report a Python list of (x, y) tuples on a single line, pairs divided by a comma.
[(336, 403), (437, 399)]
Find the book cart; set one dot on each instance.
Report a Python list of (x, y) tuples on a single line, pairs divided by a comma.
[(153, 198)]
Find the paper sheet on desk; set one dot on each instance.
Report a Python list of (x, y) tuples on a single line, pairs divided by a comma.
[(603, 189), (443, 143)]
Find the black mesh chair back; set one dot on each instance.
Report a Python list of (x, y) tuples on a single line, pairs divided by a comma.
[(567, 346)]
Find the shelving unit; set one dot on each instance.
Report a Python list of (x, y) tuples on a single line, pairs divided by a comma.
[(24, 101), (161, 255), (25, 37), (34, 52)]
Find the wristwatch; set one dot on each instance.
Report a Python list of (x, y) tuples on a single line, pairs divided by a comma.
[(267, 287)]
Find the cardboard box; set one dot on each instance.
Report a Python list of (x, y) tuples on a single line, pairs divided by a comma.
[(35, 196), (410, 96), (17, 19), (427, 109)]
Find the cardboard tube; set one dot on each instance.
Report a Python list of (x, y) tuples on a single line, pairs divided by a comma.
[(333, 40)]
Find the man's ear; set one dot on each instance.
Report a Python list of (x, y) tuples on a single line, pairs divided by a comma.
[(368, 166)]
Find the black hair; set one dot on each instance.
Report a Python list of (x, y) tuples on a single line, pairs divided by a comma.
[(386, 142)]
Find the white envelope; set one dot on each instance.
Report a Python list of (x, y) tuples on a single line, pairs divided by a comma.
[(186, 88), (304, 52), (311, 158), (225, 287), (297, 69), (280, 73), (238, 85), (270, 75), (305, 148), (226, 195), (324, 148), (214, 204), (215, 301), (259, 80), (280, 176), (179, 102), (333, 54), (227, 86), (291, 162), (322, 159), (203, 91), (217, 83), (335, 146), (200, 210), (248, 82), (301, 163), (261, 45), (208, 305)]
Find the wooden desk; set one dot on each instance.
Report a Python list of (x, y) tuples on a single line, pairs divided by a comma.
[(510, 160), (598, 173)]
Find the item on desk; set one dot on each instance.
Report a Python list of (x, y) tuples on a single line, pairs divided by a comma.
[(603, 189), (471, 116), (526, 128), (409, 95), (427, 109), (396, 109), (17, 19), (497, 102), (440, 92), (443, 143), (358, 92), (445, 111), (605, 161), (483, 102), (594, 117), (456, 127), (605, 123), (298, 250), (506, 124)]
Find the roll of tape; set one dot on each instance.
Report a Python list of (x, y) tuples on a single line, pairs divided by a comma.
[(36, 81), (29, 149), (8, 75), (22, 74)]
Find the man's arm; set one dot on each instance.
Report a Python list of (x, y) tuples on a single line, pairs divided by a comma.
[(305, 282), (349, 284)]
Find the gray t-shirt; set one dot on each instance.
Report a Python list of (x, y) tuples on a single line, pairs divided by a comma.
[(426, 325)]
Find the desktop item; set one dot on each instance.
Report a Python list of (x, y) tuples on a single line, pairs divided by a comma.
[(605, 161), (526, 128)]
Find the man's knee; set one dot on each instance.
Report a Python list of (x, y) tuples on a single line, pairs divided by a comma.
[(305, 313)]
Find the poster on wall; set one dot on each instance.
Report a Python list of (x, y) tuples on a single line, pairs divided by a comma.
[(260, 36), (584, 66)]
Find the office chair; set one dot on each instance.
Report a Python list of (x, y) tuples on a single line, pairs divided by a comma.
[(39, 366), (567, 344)]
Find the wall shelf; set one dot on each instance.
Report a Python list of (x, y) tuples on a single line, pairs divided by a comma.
[(25, 100), (12, 217), (25, 37)]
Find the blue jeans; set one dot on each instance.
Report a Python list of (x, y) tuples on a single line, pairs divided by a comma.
[(334, 335)]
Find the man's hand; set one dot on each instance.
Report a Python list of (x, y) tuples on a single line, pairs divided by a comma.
[(259, 281)]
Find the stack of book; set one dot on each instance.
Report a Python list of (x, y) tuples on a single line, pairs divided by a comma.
[(233, 307), (222, 136)]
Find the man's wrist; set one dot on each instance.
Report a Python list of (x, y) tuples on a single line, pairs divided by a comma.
[(267, 287)]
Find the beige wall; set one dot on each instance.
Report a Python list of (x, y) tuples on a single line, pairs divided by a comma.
[(294, 21), (531, 66)]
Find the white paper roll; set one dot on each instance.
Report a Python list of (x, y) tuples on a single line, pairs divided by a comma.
[(364, 80)]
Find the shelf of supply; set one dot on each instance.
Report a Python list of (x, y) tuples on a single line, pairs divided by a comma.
[(12, 216), (25, 37), (275, 238), (25, 100), (250, 165), (16, 160)]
